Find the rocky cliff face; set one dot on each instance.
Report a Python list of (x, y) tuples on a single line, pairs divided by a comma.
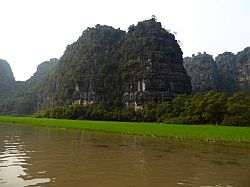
[(243, 66), (203, 71), (152, 65), (228, 72), (226, 63), (43, 70), (111, 68)]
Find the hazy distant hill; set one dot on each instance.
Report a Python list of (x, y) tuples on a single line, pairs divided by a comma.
[(234, 71), (7, 79), (228, 72), (203, 71), (21, 97)]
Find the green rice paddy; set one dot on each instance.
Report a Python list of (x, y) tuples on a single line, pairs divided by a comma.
[(187, 132)]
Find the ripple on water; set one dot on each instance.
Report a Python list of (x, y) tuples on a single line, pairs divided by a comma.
[(101, 145), (233, 163)]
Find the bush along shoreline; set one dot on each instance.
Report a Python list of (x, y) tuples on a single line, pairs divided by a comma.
[(215, 108)]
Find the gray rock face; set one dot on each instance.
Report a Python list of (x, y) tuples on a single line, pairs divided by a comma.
[(228, 72), (203, 71), (153, 67), (243, 67), (227, 65)]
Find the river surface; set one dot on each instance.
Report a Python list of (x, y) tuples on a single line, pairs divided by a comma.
[(45, 156)]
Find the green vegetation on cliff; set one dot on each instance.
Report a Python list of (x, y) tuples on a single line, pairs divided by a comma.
[(112, 69)]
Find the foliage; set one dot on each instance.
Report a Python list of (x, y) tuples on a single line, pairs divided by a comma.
[(238, 110), (208, 108), (211, 108)]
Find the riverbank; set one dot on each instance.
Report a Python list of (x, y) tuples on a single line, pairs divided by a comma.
[(188, 132)]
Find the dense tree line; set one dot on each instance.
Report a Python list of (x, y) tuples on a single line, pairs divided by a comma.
[(212, 108)]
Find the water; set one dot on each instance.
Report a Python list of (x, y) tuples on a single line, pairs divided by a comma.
[(43, 156)]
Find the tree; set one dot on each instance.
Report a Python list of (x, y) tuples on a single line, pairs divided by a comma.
[(216, 107), (238, 110)]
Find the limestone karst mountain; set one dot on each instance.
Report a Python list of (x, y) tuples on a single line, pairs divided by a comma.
[(234, 71), (151, 65), (203, 71), (228, 72), (111, 68)]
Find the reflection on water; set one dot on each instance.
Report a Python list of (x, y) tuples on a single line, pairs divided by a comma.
[(41, 156), (13, 163)]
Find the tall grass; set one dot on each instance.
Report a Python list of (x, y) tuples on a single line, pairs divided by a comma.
[(191, 132)]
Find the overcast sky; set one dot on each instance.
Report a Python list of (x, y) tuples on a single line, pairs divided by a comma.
[(33, 31)]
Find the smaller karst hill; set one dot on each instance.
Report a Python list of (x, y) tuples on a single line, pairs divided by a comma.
[(21, 97), (228, 72)]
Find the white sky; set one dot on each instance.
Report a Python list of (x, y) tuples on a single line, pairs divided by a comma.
[(33, 31)]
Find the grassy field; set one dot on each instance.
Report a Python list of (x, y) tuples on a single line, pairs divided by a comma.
[(188, 132)]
